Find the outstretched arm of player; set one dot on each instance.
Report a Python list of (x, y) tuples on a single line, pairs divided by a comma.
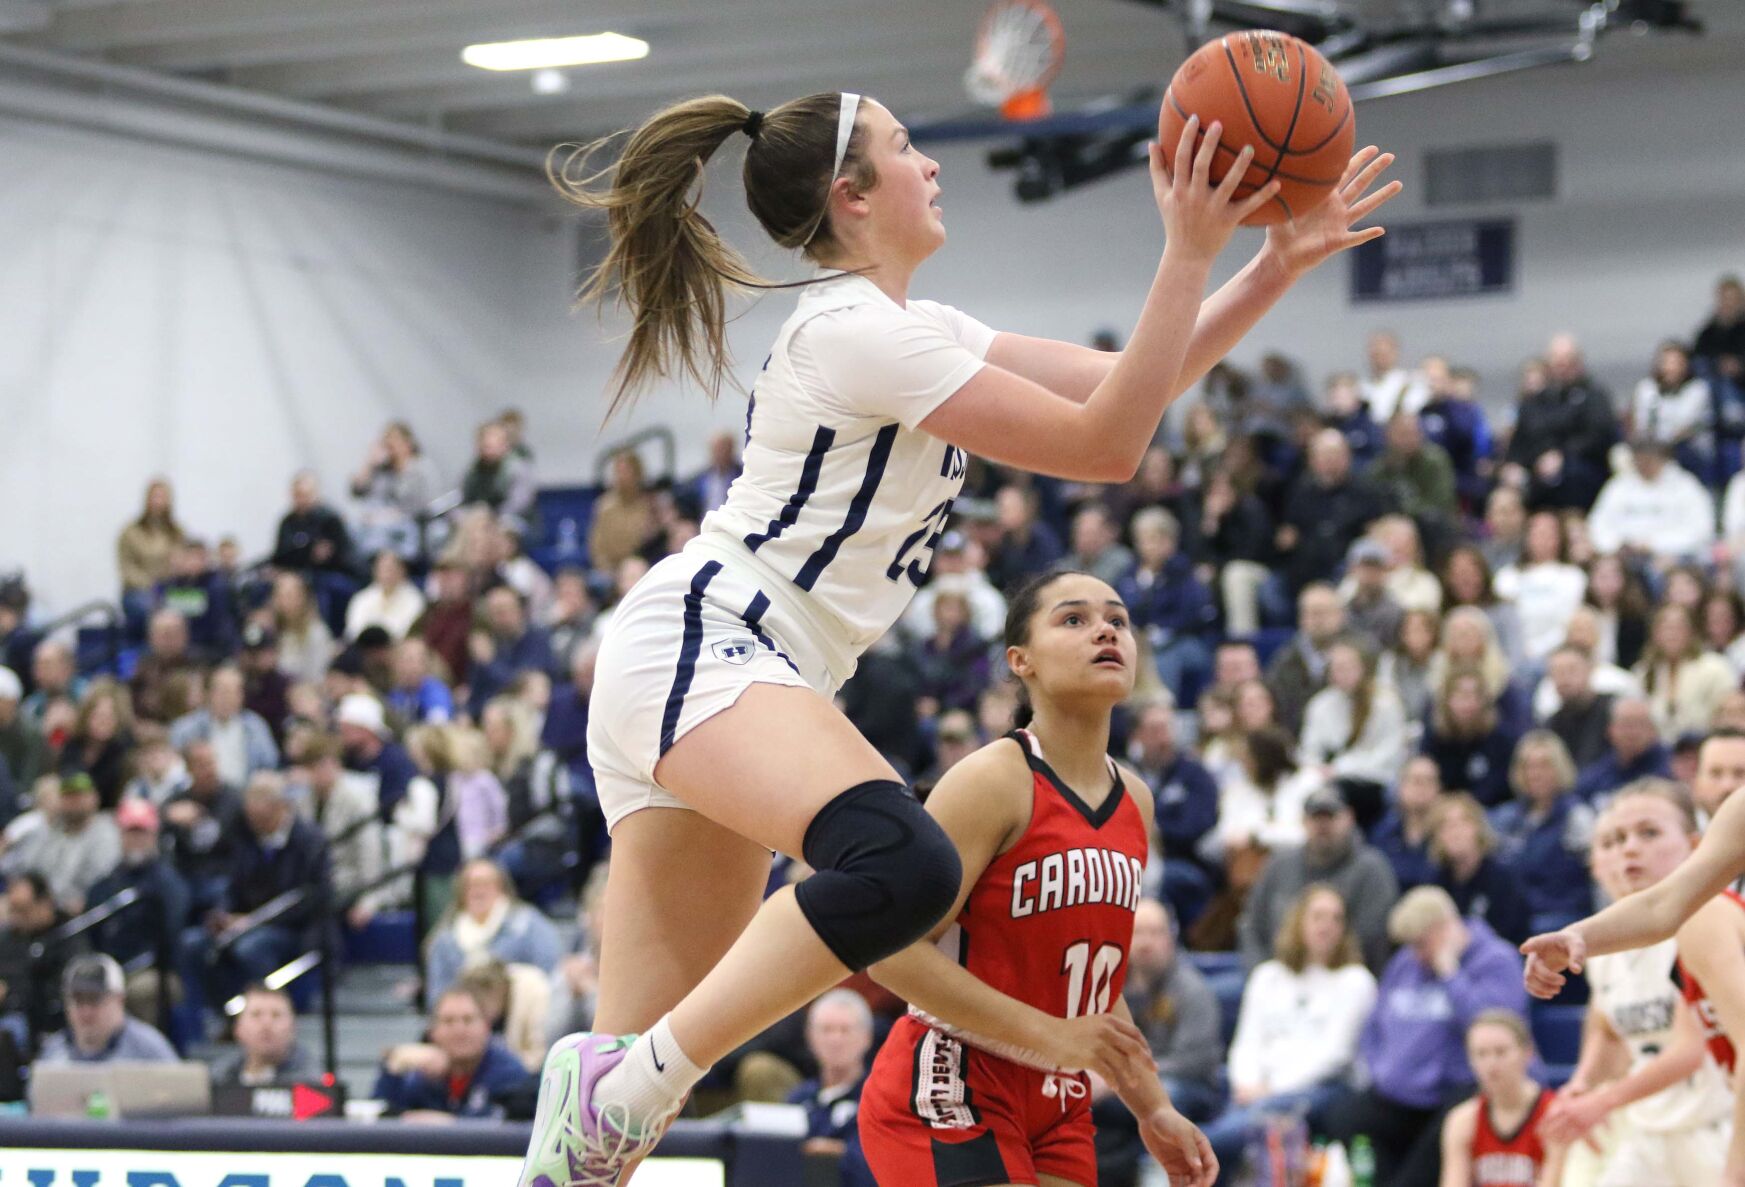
[(1711, 947), (1008, 419), (978, 806), (1648, 916), (1291, 250)]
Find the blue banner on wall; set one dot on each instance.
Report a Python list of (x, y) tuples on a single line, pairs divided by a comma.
[(1435, 261)]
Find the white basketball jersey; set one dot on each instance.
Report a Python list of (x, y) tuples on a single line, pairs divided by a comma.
[(841, 493), (1634, 990)]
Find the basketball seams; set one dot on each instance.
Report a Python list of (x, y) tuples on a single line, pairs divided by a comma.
[(1169, 97), (1296, 114), (1242, 89), (1312, 149)]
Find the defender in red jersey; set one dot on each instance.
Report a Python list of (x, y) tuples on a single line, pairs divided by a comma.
[(1494, 1139), (981, 1084)]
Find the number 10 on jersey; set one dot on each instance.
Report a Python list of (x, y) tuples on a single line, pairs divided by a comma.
[(1089, 978)]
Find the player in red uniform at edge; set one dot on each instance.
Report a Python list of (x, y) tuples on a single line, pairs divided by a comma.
[(1493, 1140), (1054, 837)]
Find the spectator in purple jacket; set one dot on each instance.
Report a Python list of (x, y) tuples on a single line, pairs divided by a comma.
[(1448, 971)]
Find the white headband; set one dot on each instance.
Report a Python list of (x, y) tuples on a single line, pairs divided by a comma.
[(844, 130)]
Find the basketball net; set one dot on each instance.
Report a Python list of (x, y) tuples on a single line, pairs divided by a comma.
[(1020, 46)]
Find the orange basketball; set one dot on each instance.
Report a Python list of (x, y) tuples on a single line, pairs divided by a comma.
[(1277, 93)]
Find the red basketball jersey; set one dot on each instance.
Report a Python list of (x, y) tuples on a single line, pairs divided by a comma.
[(1513, 1161), (1049, 921), (1720, 1046)]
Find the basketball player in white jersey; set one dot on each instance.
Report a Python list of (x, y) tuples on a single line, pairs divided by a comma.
[(1669, 1113), (713, 734)]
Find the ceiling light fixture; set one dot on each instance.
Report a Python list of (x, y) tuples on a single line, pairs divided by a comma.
[(548, 52)]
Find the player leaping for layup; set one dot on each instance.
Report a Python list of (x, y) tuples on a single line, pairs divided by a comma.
[(713, 734)]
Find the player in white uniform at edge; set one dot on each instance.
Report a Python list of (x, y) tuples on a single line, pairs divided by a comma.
[(1693, 903), (1668, 1116), (712, 733)]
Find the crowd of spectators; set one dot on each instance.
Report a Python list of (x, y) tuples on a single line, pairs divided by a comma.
[(1399, 635)]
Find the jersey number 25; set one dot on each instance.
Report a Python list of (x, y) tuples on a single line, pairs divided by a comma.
[(1089, 979)]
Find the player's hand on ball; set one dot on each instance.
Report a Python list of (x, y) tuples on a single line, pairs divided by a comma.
[(1548, 957), (1180, 1148), (1325, 230), (1200, 217)]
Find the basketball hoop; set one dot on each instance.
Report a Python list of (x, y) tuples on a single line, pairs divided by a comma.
[(1020, 46)]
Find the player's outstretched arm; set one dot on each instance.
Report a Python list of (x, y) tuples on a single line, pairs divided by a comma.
[(1001, 416), (1176, 1143), (1648, 916), (1291, 250)]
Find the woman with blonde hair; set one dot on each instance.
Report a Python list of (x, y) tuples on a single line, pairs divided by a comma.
[(1355, 729), (516, 998), (305, 643), (624, 515), (485, 920), (1498, 1139), (1296, 1036), (144, 549), (1470, 641), (1463, 847), (1544, 833), (1683, 680)]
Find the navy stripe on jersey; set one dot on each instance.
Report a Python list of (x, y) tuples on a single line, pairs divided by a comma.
[(691, 644), (869, 486), (822, 440), (753, 619)]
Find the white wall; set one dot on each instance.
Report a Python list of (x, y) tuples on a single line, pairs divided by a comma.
[(225, 321)]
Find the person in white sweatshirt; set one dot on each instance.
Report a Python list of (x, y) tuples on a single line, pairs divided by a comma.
[(1657, 508), (1296, 1035), (1356, 728)]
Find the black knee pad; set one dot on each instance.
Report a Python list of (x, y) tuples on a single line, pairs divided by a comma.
[(886, 873)]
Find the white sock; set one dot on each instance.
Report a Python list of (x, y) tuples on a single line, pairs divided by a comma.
[(653, 1077)]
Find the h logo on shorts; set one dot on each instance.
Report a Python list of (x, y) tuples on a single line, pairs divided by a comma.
[(734, 651)]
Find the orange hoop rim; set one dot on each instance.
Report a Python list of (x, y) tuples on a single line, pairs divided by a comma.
[(1017, 97)]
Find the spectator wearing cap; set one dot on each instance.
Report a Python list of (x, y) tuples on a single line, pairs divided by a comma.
[(959, 566), (266, 690), (151, 927), (201, 822), (1169, 604), (98, 1027), (27, 974), (463, 1071), (54, 676), (202, 596), (1633, 751), (266, 1036), (505, 646), (312, 536), (162, 673), (74, 850), (241, 740), (1463, 846), (275, 853), (1656, 509), (1370, 606), (390, 601), (1333, 852), (22, 749), (416, 695), (406, 800), (1448, 971)]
